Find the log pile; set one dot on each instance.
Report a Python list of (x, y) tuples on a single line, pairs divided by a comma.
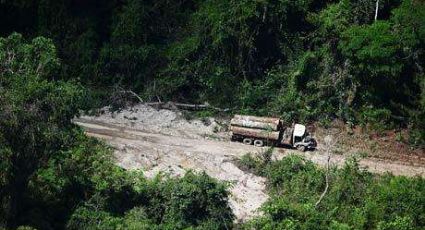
[(252, 126), (259, 133), (267, 123)]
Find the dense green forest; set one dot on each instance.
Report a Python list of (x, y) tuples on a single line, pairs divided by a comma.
[(300, 60)]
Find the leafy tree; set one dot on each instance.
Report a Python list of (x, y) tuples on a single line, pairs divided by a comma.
[(196, 200), (36, 116), (139, 32), (409, 20), (230, 42)]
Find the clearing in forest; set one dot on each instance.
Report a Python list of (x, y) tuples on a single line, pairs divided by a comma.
[(163, 141)]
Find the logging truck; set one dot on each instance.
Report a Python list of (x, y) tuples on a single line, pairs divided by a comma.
[(260, 131)]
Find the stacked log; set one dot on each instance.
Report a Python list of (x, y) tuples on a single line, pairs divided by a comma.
[(266, 123), (257, 127), (258, 133)]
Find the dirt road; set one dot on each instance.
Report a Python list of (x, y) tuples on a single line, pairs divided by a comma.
[(158, 152)]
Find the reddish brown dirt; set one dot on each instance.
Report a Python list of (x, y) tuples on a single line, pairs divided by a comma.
[(384, 146)]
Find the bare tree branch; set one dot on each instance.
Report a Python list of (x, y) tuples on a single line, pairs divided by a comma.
[(327, 182), (376, 10), (328, 146), (123, 91), (133, 94)]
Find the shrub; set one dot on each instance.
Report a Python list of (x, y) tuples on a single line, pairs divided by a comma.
[(356, 199)]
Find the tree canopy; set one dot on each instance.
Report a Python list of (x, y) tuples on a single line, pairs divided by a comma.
[(328, 58), (53, 176)]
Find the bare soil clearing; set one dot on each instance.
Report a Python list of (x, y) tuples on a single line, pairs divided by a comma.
[(163, 141)]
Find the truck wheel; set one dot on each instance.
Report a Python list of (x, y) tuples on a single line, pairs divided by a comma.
[(247, 141), (301, 148), (233, 138), (258, 143)]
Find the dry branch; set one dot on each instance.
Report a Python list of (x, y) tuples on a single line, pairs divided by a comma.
[(327, 182), (132, 93), (328, 145), (376, 10)]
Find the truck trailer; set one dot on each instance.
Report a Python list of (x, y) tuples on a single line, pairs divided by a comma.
[(260, 131)]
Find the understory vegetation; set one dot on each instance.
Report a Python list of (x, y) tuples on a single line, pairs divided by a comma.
[(299, 60), (355, 199)]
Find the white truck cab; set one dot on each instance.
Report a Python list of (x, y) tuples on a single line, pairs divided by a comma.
[(301, 138), (299, 131)]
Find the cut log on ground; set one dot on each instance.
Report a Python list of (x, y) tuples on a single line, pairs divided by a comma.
[(255, 133)]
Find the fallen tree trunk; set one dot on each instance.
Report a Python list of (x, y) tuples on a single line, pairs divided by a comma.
[(174, 105), (255, 133), (170, 104)]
